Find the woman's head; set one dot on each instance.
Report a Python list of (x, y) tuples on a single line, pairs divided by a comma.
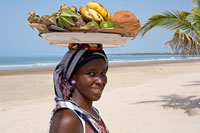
[(87, 57), (73, 63), (90, 79)]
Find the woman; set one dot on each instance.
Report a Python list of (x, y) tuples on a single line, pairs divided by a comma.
[(79, 79)]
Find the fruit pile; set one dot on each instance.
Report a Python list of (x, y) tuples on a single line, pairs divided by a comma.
[(95, 14), (90, 17)]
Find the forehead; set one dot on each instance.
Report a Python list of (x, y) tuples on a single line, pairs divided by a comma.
[(98, 63)]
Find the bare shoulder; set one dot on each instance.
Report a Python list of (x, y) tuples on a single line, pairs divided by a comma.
[(65, 120)]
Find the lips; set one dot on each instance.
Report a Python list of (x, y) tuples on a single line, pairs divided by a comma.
[(97, 90)]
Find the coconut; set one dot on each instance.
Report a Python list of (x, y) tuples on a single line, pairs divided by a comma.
[(127, 20)]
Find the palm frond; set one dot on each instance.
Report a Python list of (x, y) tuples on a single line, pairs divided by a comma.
[(170, 20), (194, 18), (184, 43), (196, 2), (196, 11)]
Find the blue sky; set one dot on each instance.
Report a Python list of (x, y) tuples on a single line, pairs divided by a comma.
[(19, 40)]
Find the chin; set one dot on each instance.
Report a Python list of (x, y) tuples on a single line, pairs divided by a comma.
[(96, 98)]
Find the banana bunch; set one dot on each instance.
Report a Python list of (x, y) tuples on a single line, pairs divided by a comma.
[(94, 11), (64, 6), (73, 8)]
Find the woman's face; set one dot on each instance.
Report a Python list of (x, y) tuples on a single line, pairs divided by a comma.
[(91, 79)]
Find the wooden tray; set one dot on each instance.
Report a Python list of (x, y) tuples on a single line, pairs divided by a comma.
[(109, 40)]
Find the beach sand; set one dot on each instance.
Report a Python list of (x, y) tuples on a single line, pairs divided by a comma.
[(151, 97)]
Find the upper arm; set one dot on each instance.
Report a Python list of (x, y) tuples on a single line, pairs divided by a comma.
[(66, 121)]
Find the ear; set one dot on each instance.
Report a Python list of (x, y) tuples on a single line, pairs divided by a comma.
[(73, 77)]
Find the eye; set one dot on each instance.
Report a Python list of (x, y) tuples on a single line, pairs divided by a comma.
[(103, 73), (91, 74)]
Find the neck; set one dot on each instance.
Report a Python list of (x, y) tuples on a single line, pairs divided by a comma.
[(84, 103)]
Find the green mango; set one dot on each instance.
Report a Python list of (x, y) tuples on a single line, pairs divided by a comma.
[(93, 23), (107, 24)]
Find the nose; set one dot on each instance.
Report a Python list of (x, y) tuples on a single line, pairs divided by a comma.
[(101, 80)]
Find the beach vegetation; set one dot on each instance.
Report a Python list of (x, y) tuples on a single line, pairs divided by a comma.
[(186, 39)]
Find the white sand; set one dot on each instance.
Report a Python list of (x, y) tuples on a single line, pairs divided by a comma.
[(155, 98)]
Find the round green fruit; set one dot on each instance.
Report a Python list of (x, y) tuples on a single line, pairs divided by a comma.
[(107, 24), (93, 23), (111, 23)]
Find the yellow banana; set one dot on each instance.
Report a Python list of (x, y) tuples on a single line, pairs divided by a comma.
[(73, 8), (108, 15), (86, 14), (97, 17), (100, 9), (64, 6)]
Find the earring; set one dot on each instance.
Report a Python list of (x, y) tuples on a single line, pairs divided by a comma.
[(73, 82)]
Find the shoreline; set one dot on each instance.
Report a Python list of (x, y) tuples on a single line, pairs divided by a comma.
[(45, 70)]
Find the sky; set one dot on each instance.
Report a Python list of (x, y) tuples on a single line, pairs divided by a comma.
[(18, 40)]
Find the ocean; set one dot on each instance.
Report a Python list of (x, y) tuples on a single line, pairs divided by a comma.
[(9, 63)]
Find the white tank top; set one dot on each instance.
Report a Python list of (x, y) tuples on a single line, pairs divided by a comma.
[(88, 123)]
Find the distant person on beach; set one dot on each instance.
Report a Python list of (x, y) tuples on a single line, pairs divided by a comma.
[(79, 79)]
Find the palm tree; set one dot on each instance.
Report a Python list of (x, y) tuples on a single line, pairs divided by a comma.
[(186, 39)]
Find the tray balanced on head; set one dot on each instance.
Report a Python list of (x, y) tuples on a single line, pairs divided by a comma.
[(108, 40), (88, 25)]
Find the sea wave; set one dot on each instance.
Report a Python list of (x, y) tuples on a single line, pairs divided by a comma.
[(116, 61), (23, 66), (24, 63)]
